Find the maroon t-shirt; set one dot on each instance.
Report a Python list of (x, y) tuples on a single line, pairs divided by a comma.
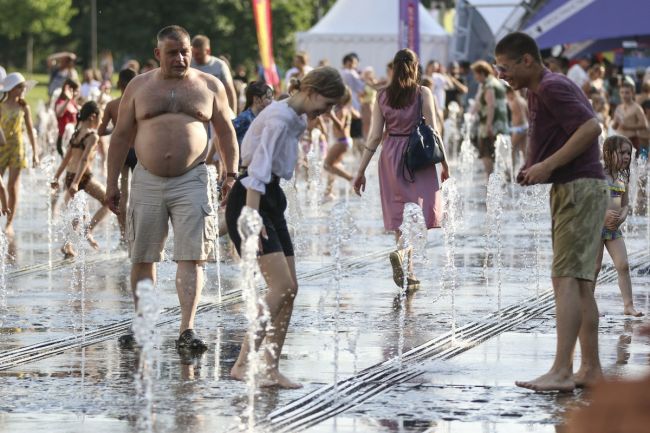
[(557, 109)]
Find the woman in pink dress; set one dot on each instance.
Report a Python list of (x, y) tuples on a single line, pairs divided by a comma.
[(397, 109)]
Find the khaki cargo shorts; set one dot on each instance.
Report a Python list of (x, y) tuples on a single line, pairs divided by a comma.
[(578, 213), (155, 200)]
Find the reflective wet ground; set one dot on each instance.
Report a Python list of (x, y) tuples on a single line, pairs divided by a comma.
[(447, 383)]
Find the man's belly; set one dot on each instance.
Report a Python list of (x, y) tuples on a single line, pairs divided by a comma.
[(171, 144)]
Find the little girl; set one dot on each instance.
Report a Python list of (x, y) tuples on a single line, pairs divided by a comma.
[(15, 116), (617, 152), (269, 152), (342, 120), (76, 162)]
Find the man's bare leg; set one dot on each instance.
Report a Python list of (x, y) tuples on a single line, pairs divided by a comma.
[(282, 289), (590, 370), (568, 317), (139, 272), (189, 284)]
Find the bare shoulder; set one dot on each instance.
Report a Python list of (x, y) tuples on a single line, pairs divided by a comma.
[(92, 137), (138, 82), (113, 104), (426, 91)]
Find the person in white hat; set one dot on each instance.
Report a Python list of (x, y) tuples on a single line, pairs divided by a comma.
[(15, 116)]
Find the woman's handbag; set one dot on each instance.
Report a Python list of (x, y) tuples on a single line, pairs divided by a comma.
[(424, 148)]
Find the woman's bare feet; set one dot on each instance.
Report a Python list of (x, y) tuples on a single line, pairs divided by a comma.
[(587, 378), (272, 378), (91, 240), (551, 381), (631, 311)]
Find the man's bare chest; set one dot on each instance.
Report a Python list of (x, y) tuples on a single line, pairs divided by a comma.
[(189, 100)]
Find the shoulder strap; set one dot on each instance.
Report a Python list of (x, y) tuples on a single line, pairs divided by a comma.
[(420, 115)]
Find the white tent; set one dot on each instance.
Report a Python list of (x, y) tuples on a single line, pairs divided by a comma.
[(370, 29)]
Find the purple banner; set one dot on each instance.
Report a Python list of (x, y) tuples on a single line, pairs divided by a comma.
[(409, 25)]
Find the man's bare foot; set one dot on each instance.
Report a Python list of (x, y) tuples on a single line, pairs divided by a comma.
[(9, 231), (68, 251), (587, 378), (630, 311), (274, 378), (91, 241), (549, 382)]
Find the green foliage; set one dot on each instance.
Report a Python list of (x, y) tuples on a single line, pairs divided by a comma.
[(35, 17), (128, 28)]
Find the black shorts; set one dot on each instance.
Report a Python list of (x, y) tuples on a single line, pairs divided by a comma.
[(131, 159), (356, 128), (273, 203)]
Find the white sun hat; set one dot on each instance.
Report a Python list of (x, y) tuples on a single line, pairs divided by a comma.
[(14, 79)]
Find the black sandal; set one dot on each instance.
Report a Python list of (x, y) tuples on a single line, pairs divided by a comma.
[(190, 342)]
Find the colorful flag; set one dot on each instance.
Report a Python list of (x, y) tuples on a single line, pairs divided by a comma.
[(409, 25), (262, 12)]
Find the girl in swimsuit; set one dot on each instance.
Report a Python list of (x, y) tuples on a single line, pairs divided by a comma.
[(341, 118), (76, 162), (617, 152)]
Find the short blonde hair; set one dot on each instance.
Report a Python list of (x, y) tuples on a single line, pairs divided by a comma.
[(482, 67)]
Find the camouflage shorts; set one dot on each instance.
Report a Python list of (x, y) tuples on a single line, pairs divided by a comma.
[(578, 212)]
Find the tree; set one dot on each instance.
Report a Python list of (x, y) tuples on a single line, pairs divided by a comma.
[(35, 19)]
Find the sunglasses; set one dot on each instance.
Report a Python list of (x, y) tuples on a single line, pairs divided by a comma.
[(503, 69)]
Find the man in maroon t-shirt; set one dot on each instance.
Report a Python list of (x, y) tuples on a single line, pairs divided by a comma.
[(563, 150)]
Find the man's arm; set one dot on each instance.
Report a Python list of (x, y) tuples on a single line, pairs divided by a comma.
[(230, 90), (577, 144), (121, 139), (226, 137), (106, 119)]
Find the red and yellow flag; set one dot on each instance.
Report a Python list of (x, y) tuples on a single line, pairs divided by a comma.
[(262, 12)]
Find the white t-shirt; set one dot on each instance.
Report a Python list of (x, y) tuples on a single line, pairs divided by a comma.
[(352, 79), (294, 70), (270, 145), (577, 75), (439, 87)]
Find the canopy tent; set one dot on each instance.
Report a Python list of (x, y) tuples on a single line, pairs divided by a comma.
[(370, 29), (560, 22)]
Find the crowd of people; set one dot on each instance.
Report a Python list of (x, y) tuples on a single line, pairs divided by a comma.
[(186, 109)]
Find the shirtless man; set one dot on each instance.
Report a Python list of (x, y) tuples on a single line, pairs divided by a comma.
[(164, 114), (110, 116), (629, 119), (518, 124)]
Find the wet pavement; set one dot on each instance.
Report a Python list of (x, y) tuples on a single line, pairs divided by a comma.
[(61, 368)]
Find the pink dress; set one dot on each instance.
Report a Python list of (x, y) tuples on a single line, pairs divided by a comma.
[(394, 188)]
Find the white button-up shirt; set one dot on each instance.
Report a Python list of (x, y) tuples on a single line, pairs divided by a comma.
[(270, 145)]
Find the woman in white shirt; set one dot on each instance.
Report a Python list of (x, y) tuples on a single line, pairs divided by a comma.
[(269, 152)]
